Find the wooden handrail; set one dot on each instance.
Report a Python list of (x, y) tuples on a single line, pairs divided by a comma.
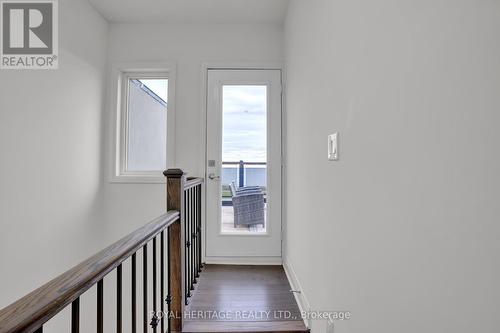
[(33, 310), (192, 182)]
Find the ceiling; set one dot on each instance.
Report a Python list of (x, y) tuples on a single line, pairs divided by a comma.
[(192, 11)]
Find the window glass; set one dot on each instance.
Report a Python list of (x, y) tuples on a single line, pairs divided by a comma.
[(147, 124)]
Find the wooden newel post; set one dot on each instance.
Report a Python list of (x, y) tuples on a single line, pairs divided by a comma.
[(175, 201)]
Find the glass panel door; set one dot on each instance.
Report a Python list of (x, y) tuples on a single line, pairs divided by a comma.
[(244, 158)]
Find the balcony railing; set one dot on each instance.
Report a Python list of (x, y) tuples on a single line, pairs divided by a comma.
[(242, 168)]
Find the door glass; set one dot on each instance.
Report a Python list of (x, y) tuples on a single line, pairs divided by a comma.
[(244, 159)]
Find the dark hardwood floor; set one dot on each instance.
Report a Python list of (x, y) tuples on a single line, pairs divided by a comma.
[(234, 298)]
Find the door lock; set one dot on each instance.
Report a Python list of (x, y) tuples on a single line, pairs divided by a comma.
[(213, 176)]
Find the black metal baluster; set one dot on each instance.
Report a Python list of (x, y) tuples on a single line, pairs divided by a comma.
[(100, 307), (198, 227), (75, 316), (162, 280), (195, 227), (168, 299), (197, 234), (185, 247), (119, 298), (154, 319), (195, 238), (186, 251), (134, 294), (200, 266), (190, 240), (191, 234), (145, 288)]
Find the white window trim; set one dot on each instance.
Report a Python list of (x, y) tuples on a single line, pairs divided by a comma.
[(119, 85)]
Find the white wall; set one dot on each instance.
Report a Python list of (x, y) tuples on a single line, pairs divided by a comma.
[(403, 231), (50, 144), (189, 46)]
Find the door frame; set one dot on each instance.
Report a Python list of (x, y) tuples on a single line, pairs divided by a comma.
[(202, 165)]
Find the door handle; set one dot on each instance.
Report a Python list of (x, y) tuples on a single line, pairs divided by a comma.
[(213, 176)]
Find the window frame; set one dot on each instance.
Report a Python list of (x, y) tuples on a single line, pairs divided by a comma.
[(121, 75)]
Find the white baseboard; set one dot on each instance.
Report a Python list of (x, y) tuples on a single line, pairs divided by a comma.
[(300, 298), (243, 260)]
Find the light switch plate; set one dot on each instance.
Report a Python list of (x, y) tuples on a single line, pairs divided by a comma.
[(333, 152)]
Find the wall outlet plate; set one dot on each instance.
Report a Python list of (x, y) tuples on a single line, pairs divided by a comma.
[(333, 152)]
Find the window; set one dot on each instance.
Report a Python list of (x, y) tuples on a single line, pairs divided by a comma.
[(143, 121), (146, 144)]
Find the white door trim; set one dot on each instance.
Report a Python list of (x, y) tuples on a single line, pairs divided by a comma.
[(242, 260)]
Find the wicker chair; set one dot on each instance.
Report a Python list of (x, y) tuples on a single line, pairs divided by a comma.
[(248, 205)]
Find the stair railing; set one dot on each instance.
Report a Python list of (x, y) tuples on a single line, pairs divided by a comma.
[(178, 233)]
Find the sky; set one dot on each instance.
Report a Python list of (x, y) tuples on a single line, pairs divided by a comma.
[(158, 86), (244, 123)]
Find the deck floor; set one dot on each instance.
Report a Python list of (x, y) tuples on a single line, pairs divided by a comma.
[(229, 227), (240, 298)]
